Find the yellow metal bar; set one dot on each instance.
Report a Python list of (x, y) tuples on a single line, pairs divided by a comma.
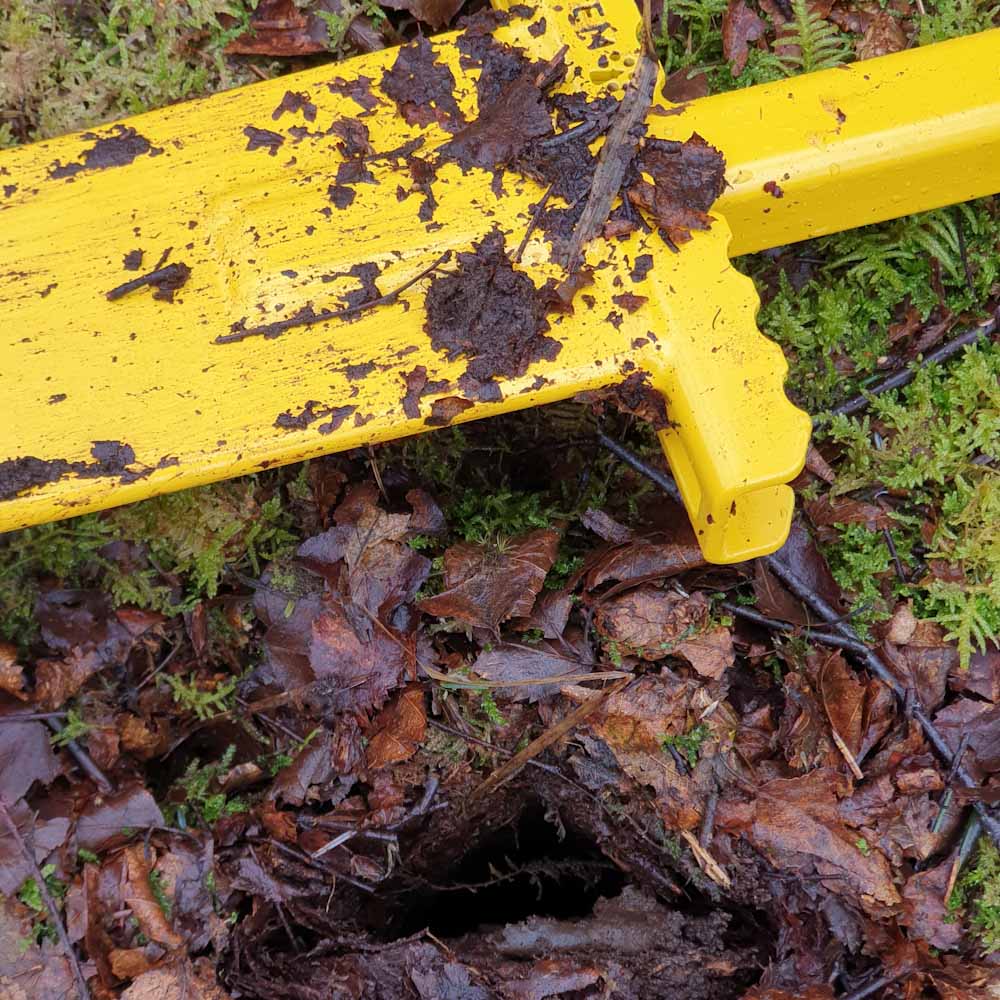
[(850, 146), (242, 201)]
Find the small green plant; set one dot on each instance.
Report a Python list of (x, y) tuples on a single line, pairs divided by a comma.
[(159, 892), (489, 514), (689, 743), (31, 895), (202, 799), (83, 856), (977, 893), (74, 727), (862, 845), (944, 19), (488, 706), (204, 704)]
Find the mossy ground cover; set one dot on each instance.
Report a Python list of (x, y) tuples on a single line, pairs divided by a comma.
[(845, 308)]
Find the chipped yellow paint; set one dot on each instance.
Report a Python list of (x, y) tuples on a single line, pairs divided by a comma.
[(174, 408)]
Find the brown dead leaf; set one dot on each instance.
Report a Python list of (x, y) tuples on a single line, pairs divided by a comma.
[(606, 527), (883, 35), (644, 558), (485, 586), (549, 615), (795, 822), (819, 466), (127, 963), (685, 85), (46, 832), (104, 818), (687, 179), (827, 510), (29, 971), (650, 622), (710, 652), (740, 26), (508, 662), (180, 980), (283, 28), (25, 757), (356, 671), (399, 729), (138, 896), (436, 13), (11, 672), (925, 910)]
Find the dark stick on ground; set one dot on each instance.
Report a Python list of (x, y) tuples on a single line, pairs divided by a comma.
[(864, 653), (822, 638), (83, 759), (873, 987), (535, 216), (280, 326), (708, 820), (898, 379), (8, 824)]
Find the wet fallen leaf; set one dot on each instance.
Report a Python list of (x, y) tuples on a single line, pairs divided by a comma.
[(485, 586), (740, 26), (283, 28), (884, 34), (179, 980), (709, 652), (29, 971), (509, 662), (312, 766), (606, 527), (111, 819), (925, 911), (650, 622), (436, 13), (356, 672), (795, 822), (44, 833), (685, 85), (145, 907), (25, 757), (687, 179), (549, 615), (827, 510), (398, 729), (644, 558)]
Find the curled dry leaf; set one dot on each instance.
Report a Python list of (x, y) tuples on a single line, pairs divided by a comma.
[(399, 729), (484, 586), (925, 910), (436, 13), (709, 652)]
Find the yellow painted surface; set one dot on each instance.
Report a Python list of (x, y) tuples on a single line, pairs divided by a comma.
[(263, 240)]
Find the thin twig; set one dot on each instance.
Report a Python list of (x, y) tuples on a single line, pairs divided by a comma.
[(969, 838), (7, 821), (616, 154), (552, 735), (775, 625), (872, 987), (173, 275), (907, 375), (708, 820), (84, 760), (32, 717), (280, 326), (533, 222)]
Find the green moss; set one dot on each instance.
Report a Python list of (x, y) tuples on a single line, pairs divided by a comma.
[(200, 799), (689, 743), (934, 434), (977, 894), (835, 326), (70, 66)]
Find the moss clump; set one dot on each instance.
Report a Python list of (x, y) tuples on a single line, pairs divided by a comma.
[(937, 441), (977, 894), (69, 66)]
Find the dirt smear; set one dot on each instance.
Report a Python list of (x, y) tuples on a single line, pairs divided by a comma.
[(490, 313), (424, 90), (116, 150), (111, 458)]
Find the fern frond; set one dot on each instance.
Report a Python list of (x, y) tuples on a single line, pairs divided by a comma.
[(820, 44)]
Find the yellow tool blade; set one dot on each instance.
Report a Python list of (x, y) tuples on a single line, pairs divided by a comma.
[(265, 202)]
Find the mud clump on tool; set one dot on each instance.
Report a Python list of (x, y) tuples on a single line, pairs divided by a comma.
[(111, 458), (490, 313), (424, 90), (117, 150)]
